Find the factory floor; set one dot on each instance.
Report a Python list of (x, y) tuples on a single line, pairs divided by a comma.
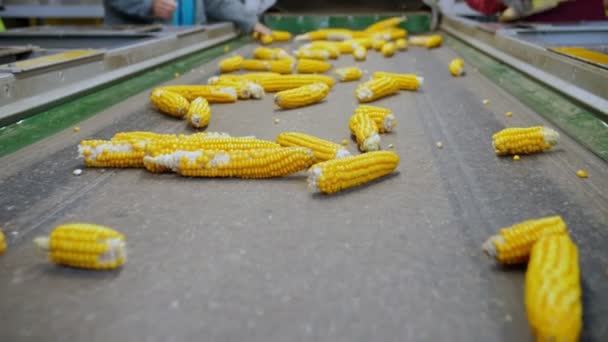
[(266, 260)]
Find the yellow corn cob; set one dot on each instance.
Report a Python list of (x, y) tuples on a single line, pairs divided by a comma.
[(213, 94), (526, 140), (321, 55), (388, 49), (2, 243), (245, 89), (383, 117), (338, 174), (281, 66), (199, 113), (266, 39), (332, 51), (390, 34), (404, 81), (430, 42), (85, 245), (456, 67), (377, 44), (401, 44), (281, 36), (322, 149), (302, 96), (286, 82), (269, 54), (231, 63), (250, 77), (553, 290), (360, 54), (311, 66), (365, 131), (512, 245), (376, 88), (170, 103), (105, 153), (385, 24), (263, 163), (348, 74)]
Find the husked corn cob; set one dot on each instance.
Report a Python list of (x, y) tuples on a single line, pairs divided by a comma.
[(213, 94), (348, 74), (385, 24), (251, 77), (321, 55), (360, 53), (365, 131), (266, 39), (519, 140), (245, 89), (106, 153), (338, 174), (311, 66), (404, 81), (322, 149), (169, 102), (85, 245), (281, 36), (332, 51), (281, 66), (263, 163), (388, 49), (231, 63), (302, 96), (383, 117), (269, 54), (512, 245), (401, 44), (553, 290), (377, 44), (2, 243), (429, 42), (456, 67), (285, 82), (376, 88), (199, 113)]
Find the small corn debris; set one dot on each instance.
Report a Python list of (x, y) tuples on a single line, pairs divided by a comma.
[(582, 174)]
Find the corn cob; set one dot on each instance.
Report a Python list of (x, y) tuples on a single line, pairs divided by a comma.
[(321, 55), (212, 94), (322, 149), (385, 24), (85, 245), (302, 96), (266, 39), (377, 44), (401, 44), (338, 174), (512, 245), (281, 66), (285, 82), (376, 88), (388, 49), (281, 36), (383, 117), (323, 34), (231, 63), (2, 243), (360, 54), (263, 163), (105, 153), (311, 66), (348, 74), (199, 113), (264, 53), (526, 140), (429, 42), (553, 290), (390, 34), (404, 81), (332, 51), (251, 77), (365, 131), (456, 67), (245, 89), (170, 103)]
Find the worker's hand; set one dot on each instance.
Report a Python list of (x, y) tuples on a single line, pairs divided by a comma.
[(163, 8), (262, 29)]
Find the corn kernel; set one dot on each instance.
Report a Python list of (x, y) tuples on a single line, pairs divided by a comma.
[(439, 144), (582, 174), (516, 157), (77, 172), (486, 101), (177, 75), (76, 129), (344, 142), (391, 145), (276, 121), (509, 114)]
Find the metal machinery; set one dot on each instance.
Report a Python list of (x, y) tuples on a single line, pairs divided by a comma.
[(265, 260)]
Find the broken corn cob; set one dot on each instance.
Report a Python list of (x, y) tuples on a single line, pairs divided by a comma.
[(388, 49), (320, 55), (264, 53), (385, 24), (383, 117), (281, 66), (199, 113), (376, 88), (456, 67), (553, 290), (360, 53), (285, 82), (322, 149), (348, 74), (302, 96), (170, 103), (365, 131), (524, 140), (85, 245), (311, 66), (338, 174), (429, 42), (231, 63), (2, 243), (512, 245), (281, 36), (218, 94), (263, 163), (401, 44), (404, 81)]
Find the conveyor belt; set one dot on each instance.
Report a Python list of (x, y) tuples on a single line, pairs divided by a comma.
[(265, 260)]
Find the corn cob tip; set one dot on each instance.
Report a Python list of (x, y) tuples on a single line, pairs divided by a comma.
[(342, 153), (43, 242), (489, 246), (389, 123), (256, 90), (230, 90), (551, 136), (372, 143), (364, 93), (313, 179), (420, 81), (213, 80)]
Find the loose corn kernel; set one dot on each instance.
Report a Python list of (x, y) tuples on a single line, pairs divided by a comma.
[(226, 48), (385, 24), (439, 145), (516, 157), (85, 245), (286, 82), (170, 103), (391, 145), (302, 96), (486, 101), (213, 94), (311, 66), (76, 129), (388, 49), (321, 55), (582, 174), (348, 74), (553, 290), (509, 114), (401, 44), (322, 149), (77, 172), (365, 131), (377, 44), (404, 81), (524, 140), (360, 53), (338, 174), (512, 245), (281, 36), (2, 243), (456, 67), (231, 63), (281, 66), (376, 88), (383, 117), (264, 53), (177, 75), (199, 113), (276, 121), (344, 142)]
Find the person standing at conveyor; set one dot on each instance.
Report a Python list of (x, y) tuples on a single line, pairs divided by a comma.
[(122, 12)]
